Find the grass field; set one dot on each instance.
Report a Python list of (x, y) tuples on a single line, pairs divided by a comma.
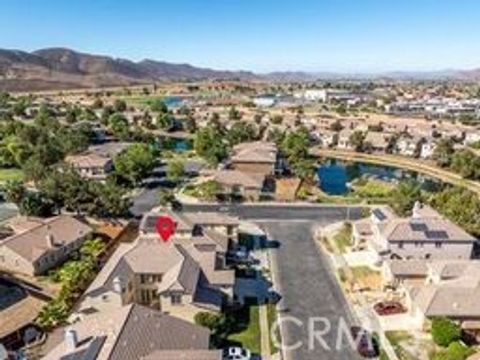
[(10, 174)]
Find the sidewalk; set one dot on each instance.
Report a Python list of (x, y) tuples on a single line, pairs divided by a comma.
[(265, 332), (363, 312)]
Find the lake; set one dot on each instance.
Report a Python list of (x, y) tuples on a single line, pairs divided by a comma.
[(334, 175)]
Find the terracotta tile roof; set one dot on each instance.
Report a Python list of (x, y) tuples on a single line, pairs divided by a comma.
[(256, 152), (131, 333), (32, 244), (239, 178), (88, 160), (185, 355)]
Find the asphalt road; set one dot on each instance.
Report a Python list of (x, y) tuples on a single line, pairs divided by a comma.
[(279, 212), (309, 292)]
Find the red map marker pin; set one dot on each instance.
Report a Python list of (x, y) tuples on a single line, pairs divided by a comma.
[(165, 226)]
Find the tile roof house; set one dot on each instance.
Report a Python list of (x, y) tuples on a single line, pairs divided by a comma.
[(90, 165), (257, 157), (240, 183), (132, 332), (42, 244), (182, 276), (97, 161), (425, 235), (378, 141), (451, 289)]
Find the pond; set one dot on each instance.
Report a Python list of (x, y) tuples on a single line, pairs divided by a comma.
[(173, 102), (178, 145), (334, 176)]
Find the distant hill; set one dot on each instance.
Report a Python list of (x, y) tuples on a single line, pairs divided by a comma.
[(61, 68)]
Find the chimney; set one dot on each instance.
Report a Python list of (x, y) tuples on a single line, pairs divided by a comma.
[(416, 210), (118, 285), (71, 340), (50, 240)]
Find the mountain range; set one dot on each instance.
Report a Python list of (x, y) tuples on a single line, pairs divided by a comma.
[(62, 68)]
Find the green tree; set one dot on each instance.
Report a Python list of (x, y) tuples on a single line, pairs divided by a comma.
[(119, 125), (135, 163), (234, 114), (35, 204), (336, 126), (277, 119), (165, 197), (166, 121), (241, 132), (97, 103), (14, 191), (119, 105), (466, 163), (175, 170), (445, 331), (109, 200), (404, 197), (443, 153), (209, 144), (158, 105), (357, 140), (53, 314), (459, 205)]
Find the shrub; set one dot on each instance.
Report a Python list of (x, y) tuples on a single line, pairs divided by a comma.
[(455, 351), (209, 320), (445, 331)]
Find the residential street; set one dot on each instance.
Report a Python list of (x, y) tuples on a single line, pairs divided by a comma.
[(309, 290), (148, 199)]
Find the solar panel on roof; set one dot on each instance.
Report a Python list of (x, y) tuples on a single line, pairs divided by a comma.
[(436, 234), (379, 214), (416, 226)]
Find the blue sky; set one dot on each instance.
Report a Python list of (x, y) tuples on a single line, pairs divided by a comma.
[(259, 35)]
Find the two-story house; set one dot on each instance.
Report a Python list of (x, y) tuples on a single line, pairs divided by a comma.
[(424, 235), (182, 276)]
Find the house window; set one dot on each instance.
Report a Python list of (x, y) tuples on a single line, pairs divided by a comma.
[(438, 244), (142, 279), (400, 245), (176, 299)]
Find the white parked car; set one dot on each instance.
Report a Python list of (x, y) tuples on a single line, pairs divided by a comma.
[(236, 353)]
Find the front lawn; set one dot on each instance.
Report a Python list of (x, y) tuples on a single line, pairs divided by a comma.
[(10, 174), (248, 323)]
